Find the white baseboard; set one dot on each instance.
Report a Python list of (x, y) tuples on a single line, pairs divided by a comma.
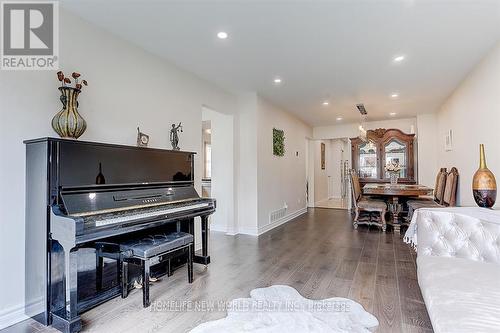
[(263, 229), (248, 231), (281, 221), (12, 315)]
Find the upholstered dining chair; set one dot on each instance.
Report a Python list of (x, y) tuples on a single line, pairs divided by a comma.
[(442, 198), (439, 186), (366, 204)]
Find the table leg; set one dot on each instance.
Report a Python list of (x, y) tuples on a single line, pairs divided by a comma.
[(395, 208)]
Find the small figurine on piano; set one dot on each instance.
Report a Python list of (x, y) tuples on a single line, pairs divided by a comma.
[(174, 136)]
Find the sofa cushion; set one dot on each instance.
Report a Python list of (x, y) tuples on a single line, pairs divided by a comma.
[(461, 295)]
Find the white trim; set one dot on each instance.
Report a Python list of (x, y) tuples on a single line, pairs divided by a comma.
[(263, 229), (248, 231), (281, 221), (12, 315)]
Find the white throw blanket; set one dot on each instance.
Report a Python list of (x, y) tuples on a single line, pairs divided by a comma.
[(279, 309), (484, 214)]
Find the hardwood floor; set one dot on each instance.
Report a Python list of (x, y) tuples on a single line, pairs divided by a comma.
[(318, 253)]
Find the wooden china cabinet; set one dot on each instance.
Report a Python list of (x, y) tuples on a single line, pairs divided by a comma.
[(381, 147)]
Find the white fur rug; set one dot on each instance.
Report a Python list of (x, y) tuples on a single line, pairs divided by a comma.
[(282, 309)]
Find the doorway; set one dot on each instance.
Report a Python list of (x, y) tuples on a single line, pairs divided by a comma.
[(329, 163), (217, 166)]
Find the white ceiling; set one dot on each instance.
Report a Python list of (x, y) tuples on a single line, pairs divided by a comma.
[(336, 50)]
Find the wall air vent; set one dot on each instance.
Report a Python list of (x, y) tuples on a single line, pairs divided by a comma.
[(361, 109), (277, 215)]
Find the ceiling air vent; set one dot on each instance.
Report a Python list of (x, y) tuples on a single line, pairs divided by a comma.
[(361, 109)]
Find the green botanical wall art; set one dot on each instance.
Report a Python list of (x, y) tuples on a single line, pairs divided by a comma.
[(278, 142)]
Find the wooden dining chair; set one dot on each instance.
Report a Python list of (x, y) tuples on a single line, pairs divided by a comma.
[(366, 204), (445, 197), (439, 186)]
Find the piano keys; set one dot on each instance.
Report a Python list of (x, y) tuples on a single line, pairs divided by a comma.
[(82, 192)]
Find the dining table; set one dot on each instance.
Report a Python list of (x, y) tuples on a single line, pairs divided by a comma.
[(394, 193)]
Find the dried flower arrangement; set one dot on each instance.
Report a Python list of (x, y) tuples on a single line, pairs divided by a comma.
[(66, 81), (393, 167)]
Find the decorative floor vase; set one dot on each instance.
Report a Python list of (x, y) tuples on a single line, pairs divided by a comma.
[(68, 123), (484, 185)]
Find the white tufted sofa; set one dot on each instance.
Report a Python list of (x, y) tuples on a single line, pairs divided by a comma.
[(458, 264)]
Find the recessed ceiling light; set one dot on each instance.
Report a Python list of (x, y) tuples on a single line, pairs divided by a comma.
[(394, 95), (326, 103), (277, 80), (392, 114), (222, 35), (399, 58), (339, 118)]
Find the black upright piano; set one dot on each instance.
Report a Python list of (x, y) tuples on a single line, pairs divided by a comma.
[(80, 192)]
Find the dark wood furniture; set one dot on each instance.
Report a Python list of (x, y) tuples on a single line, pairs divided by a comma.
[(79, 193), (366, 204), (382, 146), (393, 193)]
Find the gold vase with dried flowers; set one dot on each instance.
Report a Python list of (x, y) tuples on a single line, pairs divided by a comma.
[(68, 123)]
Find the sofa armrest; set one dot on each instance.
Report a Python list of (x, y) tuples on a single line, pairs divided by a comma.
[(453, 234)]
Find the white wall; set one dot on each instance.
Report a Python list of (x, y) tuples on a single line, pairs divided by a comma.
[(246, 162), (472, 112), (311, 170), (127, 87), (427, 148), (281, 180)]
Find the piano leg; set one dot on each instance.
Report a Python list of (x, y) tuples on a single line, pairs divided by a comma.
[(190, 263), (124, 279), (99, 268), (66, 319), (145, 283), (205, 231)]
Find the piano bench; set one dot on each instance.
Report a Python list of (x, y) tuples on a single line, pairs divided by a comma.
[(146, 251)]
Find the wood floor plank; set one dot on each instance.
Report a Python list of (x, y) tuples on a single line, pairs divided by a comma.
[(387, 308), (415, 314), (386, 276), (338, 288), (363, 285), (346, 269)]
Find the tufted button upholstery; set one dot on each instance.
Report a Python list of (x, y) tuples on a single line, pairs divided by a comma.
[(443, 233)]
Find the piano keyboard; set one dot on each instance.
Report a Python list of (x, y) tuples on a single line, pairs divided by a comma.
[(157, 212)]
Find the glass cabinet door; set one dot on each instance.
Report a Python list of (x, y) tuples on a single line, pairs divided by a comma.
[(395, 153), (368, 160)]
